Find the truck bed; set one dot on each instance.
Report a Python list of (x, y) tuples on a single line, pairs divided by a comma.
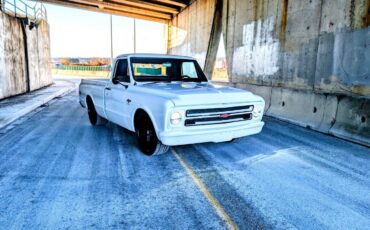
[(98, 82), (94, 88)]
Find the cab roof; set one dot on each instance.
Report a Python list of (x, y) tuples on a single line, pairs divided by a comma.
[(150, 55)]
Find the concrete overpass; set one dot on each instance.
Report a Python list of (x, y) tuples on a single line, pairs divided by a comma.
[(309, 60), (157, 10)]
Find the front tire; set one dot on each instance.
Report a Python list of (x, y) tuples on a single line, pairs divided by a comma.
[(147, 138)]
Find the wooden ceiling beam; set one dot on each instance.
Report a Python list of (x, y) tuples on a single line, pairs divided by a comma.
[(128, 9), (149, 6), (174, 3), (108, 11), (101, 7)]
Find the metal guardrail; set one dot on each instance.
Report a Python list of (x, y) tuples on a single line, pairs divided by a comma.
[(23, 9), (82, 68)]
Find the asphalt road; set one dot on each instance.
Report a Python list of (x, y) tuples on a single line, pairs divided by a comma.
[(57, 171)]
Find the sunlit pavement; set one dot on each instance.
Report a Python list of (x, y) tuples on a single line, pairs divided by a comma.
[(13, 108), (57, 171)]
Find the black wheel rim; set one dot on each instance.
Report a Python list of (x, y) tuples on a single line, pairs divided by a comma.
[(146, 137)]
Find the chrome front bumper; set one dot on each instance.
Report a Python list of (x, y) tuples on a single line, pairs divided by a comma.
[(189, 136)]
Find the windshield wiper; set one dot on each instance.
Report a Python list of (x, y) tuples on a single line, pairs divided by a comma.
[(155, 82)]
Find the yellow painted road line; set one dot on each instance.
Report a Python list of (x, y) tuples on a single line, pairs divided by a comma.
[(212, 200)]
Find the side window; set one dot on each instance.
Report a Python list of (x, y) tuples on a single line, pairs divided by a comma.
[(188, 70), (121, 73)]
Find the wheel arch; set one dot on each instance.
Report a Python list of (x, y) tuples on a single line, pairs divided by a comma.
[(141, 111)]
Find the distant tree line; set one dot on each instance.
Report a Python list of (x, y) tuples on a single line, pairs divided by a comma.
[(85, 62)]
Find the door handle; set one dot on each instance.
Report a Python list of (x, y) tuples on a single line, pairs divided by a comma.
[(107, 88)]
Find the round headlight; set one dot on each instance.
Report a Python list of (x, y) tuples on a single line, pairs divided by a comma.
[(176, 118), (257, 111)]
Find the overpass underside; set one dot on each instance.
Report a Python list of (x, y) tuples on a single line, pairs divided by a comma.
[(153, 10)]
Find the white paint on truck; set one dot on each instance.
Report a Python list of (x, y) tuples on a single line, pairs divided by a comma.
[(208, 113)]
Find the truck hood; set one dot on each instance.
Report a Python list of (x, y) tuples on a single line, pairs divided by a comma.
[(183, 94)]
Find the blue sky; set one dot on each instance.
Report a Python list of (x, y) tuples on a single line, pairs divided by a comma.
[(81, 33)]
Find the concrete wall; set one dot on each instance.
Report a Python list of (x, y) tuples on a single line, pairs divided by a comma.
[(189, 32), (309, 59), (38, 41), (12, 59), (13, 69)]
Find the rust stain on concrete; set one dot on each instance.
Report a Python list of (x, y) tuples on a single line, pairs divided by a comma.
[(363, 90), (352, 14), (359, 14), (284, 19), (366, 17), (255, 6)]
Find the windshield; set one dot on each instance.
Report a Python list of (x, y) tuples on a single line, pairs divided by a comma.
[(166, 69)]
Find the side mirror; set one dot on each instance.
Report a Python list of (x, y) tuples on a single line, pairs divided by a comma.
[(115, 81)]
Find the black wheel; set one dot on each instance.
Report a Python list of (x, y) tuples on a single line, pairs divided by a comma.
[(235, 140), (94, 117), (147, 138)]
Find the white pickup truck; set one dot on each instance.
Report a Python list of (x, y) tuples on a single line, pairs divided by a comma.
[(167, 100)]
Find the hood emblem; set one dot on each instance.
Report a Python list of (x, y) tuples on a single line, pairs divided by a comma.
[(225, 115)]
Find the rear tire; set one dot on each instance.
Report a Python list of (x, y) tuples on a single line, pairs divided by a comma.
[(147, 138), (94, 117)]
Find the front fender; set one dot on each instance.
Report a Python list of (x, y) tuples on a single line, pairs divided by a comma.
[(157, 111)]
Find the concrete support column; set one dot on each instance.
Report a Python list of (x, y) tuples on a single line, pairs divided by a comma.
[(214, 39), (24, 56), (26, 64)]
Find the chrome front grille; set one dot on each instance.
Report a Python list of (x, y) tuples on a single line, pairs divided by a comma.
[(213, 116)]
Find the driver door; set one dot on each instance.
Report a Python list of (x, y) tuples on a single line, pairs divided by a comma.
[(115, 94)]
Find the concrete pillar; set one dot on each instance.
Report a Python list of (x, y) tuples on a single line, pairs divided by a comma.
[(214, 39)]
